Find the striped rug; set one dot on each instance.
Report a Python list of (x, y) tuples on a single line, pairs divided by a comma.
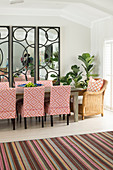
[(89, 151)]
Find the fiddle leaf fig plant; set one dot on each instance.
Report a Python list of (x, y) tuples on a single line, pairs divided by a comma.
[(74, 75), (88, 65), (66, 80)]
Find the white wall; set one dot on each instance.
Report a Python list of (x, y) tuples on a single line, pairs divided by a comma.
[(75, 38), (100, 32)]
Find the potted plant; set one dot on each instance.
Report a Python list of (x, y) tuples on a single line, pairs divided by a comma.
[(88, 65), (74, 75)]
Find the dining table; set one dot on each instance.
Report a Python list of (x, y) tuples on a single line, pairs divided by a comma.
[(75, 92)]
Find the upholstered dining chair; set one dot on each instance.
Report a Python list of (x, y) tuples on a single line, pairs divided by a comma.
[(31, 79), (47, 84), (33, 103), (19, 101), (92, 103), (4, 85), (8, 104), (20, 78), (59, 102)]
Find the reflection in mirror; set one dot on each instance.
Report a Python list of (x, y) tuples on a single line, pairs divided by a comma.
[(49, 53), (23, 53), (4, 53)]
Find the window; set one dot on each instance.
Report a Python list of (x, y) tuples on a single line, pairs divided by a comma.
[(108, 73)]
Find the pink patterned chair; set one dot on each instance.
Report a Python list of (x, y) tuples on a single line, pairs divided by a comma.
[(4, 79), (8, 104), (4, 85), (59, 102), (19, 89), (33, 104), (31, 79), (47, 84)]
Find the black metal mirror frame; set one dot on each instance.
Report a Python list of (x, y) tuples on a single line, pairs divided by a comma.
[(4, 40), (26, 29), (57, 40), (10, 40)]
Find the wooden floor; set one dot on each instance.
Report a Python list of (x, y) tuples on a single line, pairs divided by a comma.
[(60, 128)]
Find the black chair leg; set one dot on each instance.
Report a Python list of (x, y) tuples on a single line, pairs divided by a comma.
[(51, 120), (63, 117), (67, 119), (17, 115), (45, 117), (25, 122), (42, 122), (39, 119), (36, 119), (59, 117), (13, 121), (20, 118)]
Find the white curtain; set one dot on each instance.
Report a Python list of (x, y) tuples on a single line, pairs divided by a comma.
[(108, 73)]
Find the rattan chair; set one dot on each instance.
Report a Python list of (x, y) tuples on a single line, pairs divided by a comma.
[(92, 103)]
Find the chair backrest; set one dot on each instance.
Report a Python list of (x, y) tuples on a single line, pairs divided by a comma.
[(20, 82), (34, 101), (4, 85), (4, 79), (46, 83), (19, 78), (31, 79), (105, 82), (7, 103), (60, 100)]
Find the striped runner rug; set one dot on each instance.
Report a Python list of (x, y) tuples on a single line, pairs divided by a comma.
[(89, 151)]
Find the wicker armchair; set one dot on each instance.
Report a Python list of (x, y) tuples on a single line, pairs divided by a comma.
[(92, 103)]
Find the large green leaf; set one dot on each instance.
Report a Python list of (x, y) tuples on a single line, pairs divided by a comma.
[(88, 59), (84, 67), (79, 78), (75, 80), (75, 68), (86, 55), (91, 70), (54, 59), (91, 61), (53, 75), (69, 81), (70, 74), (83, 60), (89, 67)]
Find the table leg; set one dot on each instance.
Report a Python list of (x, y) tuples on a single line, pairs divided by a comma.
[(75, 106)]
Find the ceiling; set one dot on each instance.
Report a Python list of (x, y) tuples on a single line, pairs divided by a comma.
[(84, 12)]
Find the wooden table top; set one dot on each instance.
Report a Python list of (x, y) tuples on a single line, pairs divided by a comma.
[(47, 90)]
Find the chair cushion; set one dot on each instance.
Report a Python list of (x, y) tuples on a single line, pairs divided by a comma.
[(95, 85)]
